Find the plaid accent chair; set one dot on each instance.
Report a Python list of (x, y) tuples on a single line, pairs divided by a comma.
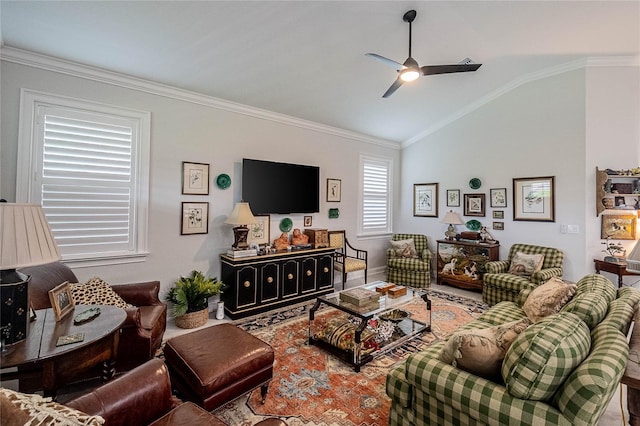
[(500, 285), (407, 271)]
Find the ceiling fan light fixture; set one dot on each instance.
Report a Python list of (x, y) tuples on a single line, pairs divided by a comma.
[(409, 74)]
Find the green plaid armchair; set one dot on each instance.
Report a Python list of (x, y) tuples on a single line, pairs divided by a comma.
[(500, 285), (406, 271)]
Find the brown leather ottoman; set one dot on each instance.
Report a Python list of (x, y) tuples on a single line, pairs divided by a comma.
[(217, 364)]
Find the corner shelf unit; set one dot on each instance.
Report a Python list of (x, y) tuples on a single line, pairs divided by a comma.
[(610, 187)]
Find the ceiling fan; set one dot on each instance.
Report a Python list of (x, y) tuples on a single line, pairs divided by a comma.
[(410, 70)]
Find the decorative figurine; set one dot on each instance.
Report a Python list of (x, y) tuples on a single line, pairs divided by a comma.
[(282, 242), (299, 238)]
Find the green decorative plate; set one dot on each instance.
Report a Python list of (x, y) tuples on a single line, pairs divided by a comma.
[(475, 183), (334, 213), (474, 225), (286, 224), (223, 181)]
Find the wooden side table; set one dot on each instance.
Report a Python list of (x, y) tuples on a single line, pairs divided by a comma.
[(619, 269)]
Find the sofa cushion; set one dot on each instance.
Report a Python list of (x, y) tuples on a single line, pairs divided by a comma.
[(619, 316), (96, 291), (548, 298), (404, 248), (544, 355), (23, 409), (481, 351), (526, 264), (596, 283), (407, 264), (590, 307)]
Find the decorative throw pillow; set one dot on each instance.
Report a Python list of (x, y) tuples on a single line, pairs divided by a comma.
[(97, 292), (526, 264), (22, 409), (544, 355), (481, 351), (404, 248), (548, 299)]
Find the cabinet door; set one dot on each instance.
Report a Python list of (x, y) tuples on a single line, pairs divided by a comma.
[(246, 287), (269, 282), (308, 271), (289, 278), (325, 272)]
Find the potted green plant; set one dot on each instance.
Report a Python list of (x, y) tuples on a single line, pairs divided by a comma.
[(190, 295)]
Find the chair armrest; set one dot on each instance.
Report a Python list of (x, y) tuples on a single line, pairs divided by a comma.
[(139, 294), (497, 266), (391, 254), (138, 397), (426, 255), (544, 275), (132, 319)]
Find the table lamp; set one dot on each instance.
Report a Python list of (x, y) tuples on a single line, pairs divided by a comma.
[(25, 240), (451, 218), (241, 216)]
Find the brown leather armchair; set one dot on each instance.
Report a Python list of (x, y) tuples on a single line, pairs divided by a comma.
[(141, 334)]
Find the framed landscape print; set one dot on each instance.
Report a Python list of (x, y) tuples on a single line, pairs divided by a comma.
[(195, 218), (195, 178), (498, 197), (425, 199), (498, 214), (259, 231), (474, 205), (534, 199), (618, 226), (334, 190), (453, 198)]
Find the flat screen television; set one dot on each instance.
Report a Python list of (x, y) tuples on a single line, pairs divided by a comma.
[(270, 187)]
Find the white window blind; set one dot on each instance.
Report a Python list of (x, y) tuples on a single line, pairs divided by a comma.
[(375, 209), (89, 175)]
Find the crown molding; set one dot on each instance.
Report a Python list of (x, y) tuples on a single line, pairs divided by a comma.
[(609, 61), (49, 63)]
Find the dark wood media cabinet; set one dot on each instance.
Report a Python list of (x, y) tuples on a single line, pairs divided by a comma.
[(261, 283)]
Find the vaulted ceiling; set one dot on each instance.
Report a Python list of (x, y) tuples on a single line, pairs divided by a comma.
[(306, 58)]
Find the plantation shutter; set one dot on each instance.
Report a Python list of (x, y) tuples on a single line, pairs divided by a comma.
[(88, 180), (375, 196)]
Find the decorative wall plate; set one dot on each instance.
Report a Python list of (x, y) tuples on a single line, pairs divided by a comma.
[(474, 225), (334, 213), (286, 224), (223, 181), (475, 183)]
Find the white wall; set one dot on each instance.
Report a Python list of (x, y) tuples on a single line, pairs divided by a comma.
[(187, 131), (546, 127)]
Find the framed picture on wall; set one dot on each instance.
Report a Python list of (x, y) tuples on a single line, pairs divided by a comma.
[(534, 199), (308, 220), (453, 198), (334, 190), (618, 226), (195, 178), (195, 218), (425, 199), (498, 197), (474, 205)]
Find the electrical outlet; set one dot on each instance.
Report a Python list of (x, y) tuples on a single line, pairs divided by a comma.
[(563, 229), (573, 229)]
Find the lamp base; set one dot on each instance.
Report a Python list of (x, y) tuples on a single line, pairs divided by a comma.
[(240, 234), (14, 306), (450, 233)]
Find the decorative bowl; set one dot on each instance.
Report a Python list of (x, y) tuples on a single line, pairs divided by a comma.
[(223, 181), (475, 183), (395, 315)]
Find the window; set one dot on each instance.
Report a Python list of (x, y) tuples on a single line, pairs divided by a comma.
[(88, 165), (375, 207)]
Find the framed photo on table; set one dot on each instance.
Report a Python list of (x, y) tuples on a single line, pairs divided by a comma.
[(61, 300), (453, 198), (195, 178), (498, 197), (334, 190), (195, 218), (534, 199), (425, 199), (259, 231), (474, 205)]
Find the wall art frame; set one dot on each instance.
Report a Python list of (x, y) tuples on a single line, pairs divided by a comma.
[(618, 226), (474, 205), (453, 198), (498, 226), (498, 214), (534, 199), (425, 199), (195, 218), (308, 221), (334, 190), (259, 232), (195, 178), (61, 300), (498, 197)]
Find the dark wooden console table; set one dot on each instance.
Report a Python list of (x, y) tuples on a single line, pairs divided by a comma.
[(38, 360), (619, 269)]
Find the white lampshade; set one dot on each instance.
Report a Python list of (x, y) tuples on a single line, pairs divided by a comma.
[(452, 218), (241, 215), (25, 237)]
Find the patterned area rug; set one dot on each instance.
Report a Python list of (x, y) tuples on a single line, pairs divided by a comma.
[(312, 387)]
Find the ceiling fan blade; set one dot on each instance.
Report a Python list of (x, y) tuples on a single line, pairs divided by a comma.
[(395, 86), (446, 69), (396, 65)]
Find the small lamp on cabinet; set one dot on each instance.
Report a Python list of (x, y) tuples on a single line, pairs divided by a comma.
[(451, 218), (241, 216)]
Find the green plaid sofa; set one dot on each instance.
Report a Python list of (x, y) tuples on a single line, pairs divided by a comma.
[(499, 285), (426, 391), (410, 272)]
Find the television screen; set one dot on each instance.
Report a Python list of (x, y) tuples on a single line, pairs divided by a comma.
[(271, 187)]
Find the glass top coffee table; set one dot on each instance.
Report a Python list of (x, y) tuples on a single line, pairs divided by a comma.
[(358, 333)]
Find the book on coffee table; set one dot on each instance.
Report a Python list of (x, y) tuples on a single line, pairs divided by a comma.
[(360, 296)]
